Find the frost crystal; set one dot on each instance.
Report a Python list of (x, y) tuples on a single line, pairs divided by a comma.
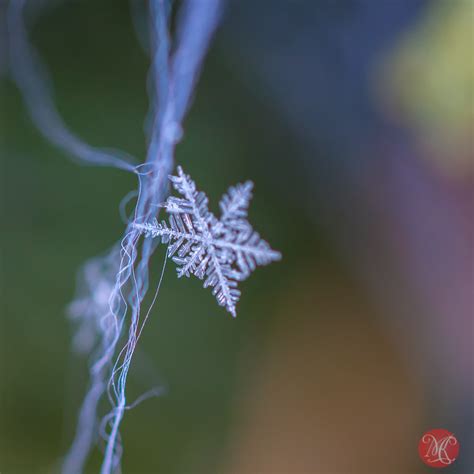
[(220, 252)]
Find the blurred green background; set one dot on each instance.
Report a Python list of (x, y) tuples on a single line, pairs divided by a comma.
[(60, 214)]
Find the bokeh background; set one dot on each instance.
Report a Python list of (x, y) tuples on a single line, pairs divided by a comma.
[(354, 119)]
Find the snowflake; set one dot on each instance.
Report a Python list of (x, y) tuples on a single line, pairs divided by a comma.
[(220, 252)]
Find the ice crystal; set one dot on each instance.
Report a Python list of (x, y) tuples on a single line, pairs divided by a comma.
[(220, 252)]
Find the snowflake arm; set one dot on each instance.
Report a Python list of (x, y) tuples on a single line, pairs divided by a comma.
[(220, 252), (235, 202), (194, 203)]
